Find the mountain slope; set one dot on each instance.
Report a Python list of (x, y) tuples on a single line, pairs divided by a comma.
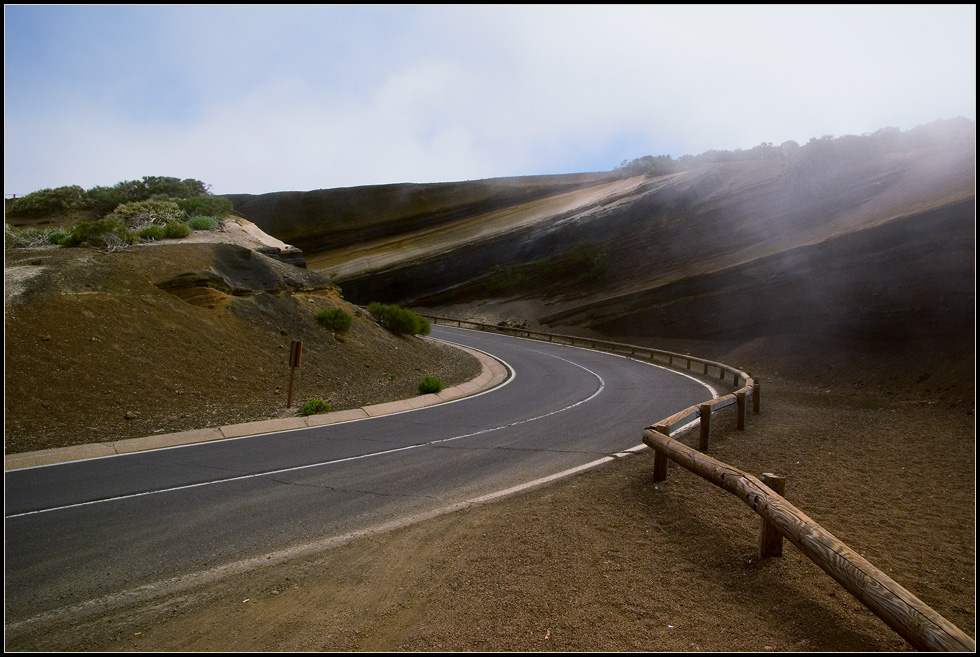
[(854, 236), (186, 334)]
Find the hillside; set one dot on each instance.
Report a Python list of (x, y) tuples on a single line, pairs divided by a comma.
[(185, 334), (854, 239)]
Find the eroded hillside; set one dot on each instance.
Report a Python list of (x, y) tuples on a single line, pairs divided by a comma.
[(866, 238), (185, 334)]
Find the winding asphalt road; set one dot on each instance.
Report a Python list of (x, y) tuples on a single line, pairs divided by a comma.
[(94, 533)]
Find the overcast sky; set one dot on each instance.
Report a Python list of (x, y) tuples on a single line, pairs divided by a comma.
[(255, 99)]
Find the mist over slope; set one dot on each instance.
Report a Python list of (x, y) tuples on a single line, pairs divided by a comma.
[(863, 238)]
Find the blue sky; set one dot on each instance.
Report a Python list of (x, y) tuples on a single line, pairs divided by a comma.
[(255, 99)]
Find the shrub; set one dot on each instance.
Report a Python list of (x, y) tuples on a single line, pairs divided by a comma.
[(430, 384), (57, 236), (140, 213), (30, 236), (314, 406), (47, 202), (151, 233), (176, 229), (399, 320), (201, 222), (335, 319), (106, 232), (205, 206)]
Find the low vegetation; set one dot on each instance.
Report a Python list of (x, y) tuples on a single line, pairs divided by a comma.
[(400, 321), (335, 319), (314, 406), (819, 157), (154, 208), (430, 385)]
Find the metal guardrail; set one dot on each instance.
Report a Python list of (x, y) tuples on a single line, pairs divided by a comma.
[(911, 618)]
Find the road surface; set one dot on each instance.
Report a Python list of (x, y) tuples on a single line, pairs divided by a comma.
[(86, 535)]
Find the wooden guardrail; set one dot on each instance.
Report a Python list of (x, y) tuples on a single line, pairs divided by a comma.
[(911, 618)]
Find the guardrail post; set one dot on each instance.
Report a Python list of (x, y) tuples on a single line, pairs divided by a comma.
[(740, 404), (660, 459), (755, 397), (706, 368), (770, 539), (705, 427)]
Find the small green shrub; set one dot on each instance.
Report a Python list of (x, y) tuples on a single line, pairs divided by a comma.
[(151, 233), (176, 229), (106, 232), (31, 236), (57, 236), (335, 319), (430, 384), (139, 213), (399, 320), (203, 223), (205, 206), (314, 406)]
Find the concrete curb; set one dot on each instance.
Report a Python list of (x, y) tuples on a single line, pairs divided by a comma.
[(493, 373)]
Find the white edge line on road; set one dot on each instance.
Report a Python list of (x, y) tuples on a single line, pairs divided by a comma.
[(185, 582), (511, 375), (269, 473)]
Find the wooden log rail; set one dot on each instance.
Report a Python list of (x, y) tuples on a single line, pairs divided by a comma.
[(915, 621), (911, 618)]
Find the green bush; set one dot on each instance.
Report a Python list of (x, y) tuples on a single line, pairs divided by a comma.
[(47, 202), (399, 320), (56, 236), (314, 406), (430, 384), (176, 229), (201, 222), (205, 206), (151, 233), (106, 232), (106, 199), (335, 319), (140, 213)]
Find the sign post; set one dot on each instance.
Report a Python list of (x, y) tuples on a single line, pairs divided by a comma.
[(295, 356)]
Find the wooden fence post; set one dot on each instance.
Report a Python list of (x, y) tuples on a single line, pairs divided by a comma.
[(660, 460), (756, 391), (705, 427), (770, 540), (740, 404)]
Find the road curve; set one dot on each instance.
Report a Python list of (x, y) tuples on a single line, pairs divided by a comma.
[(81, 535)]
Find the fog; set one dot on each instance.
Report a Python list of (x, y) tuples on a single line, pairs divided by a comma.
[(260, 99)]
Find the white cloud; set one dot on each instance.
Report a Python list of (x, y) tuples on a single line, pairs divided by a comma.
[(266, 99)]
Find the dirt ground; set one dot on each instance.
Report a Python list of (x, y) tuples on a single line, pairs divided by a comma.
[(95, 350), (608, 560)]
